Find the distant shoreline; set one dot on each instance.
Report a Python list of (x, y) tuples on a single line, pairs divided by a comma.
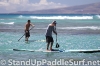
[(93, 8)]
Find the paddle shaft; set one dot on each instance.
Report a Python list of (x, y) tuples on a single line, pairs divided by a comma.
[(57, 45), (56, 35), (24, 34), (56, 39)]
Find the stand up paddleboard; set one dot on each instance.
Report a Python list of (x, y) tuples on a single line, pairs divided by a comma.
[(58, 50), (53, 50), (23, 50), (84, 51)]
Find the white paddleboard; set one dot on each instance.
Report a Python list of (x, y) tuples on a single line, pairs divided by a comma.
[(84, 51), (58, 50), (54, 50)]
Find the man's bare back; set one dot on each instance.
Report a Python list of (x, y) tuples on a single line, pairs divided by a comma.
[(27, 26)]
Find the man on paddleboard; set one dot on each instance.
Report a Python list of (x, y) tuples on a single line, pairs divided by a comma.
[(49, 38), (27, 28)]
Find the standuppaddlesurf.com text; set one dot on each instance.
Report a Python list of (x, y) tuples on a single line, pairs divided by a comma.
[(35, 62)]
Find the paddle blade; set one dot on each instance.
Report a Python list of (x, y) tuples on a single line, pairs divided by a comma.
[(57, 45)]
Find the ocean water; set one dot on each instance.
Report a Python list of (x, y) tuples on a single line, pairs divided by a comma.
[(75, 32)]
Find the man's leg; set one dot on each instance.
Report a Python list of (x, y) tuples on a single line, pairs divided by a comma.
[(27, 35), (48, 45), (26, 39), (51, 46), (51, 38), (48, 42)]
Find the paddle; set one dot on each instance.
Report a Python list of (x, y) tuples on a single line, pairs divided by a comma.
[(24, 34), (57, 45)]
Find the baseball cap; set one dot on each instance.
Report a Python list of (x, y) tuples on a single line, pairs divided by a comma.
[(54, 22)]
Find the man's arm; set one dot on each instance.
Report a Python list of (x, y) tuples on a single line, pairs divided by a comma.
[(54, 31), (32, 25)]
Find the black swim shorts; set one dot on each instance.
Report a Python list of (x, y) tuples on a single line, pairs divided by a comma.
[(49, 39), (27, 33)]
